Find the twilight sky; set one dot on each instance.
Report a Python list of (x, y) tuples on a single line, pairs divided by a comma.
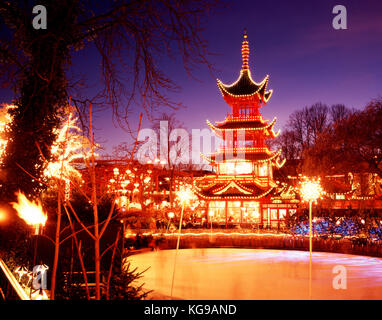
[(293, 41)]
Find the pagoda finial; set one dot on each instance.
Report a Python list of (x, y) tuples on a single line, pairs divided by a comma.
[(245, 52)]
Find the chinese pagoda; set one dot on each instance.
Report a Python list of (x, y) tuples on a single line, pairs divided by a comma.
[(243, 189)]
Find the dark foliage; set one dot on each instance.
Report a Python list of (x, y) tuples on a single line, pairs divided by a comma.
[(121, 285), (353, 144), (16, 244), (40, 86)]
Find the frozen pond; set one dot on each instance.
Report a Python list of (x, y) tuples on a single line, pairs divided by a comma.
[(249, 274)]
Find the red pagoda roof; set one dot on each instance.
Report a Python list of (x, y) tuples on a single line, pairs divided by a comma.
[(245, 87), (233, 190), (253, 125), (246, 155)]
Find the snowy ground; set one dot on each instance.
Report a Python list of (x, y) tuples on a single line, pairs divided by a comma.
[(250, 274)]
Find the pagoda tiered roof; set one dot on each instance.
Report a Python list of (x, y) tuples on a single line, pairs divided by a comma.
[(245, 89), (244, 123), (233, 189), (245, 96), (250, 154)]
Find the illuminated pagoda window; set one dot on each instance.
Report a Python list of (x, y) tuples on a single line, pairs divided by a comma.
[(241, 190)]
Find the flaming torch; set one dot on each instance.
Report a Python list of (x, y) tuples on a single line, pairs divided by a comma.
[(31, 212)]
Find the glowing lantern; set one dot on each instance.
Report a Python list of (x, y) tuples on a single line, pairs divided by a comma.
[(311, 190), (31, 212), (147, 180), (171, 215), (185, 195), (3, 216), (122, 201)]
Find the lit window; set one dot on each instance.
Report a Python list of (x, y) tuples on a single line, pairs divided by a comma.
[(263, 170), (243, 168), (274, 214), (282, 213)]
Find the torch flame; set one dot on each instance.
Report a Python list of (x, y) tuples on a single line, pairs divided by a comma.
[(31, 212)]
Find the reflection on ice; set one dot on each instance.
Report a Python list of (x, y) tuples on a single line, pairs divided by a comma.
[(258, 274)]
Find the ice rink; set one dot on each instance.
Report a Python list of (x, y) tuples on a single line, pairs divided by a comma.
[(258, 274)]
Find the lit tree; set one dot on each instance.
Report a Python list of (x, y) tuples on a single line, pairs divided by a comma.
[(169, 149), (5, 120), (69, 147)]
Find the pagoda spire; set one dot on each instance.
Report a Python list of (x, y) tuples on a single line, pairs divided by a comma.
[(245, 91), (245, 52)]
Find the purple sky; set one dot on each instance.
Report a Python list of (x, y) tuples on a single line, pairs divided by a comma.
[(292, 41)]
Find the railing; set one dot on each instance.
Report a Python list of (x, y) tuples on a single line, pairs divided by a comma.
[(76, 277), (265, 239), (10, 289)]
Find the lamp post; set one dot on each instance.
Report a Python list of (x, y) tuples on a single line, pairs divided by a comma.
[(211, 215), (185, 195), (310, 191), (170, 216)]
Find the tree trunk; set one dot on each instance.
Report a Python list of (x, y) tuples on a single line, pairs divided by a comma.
[(56, 244), (97, 258), (78, 247), (111, 265)]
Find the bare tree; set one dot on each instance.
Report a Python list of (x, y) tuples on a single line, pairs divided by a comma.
[(353, 144), (131, 37), (169, 147), (302, 130), (339, 112)]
